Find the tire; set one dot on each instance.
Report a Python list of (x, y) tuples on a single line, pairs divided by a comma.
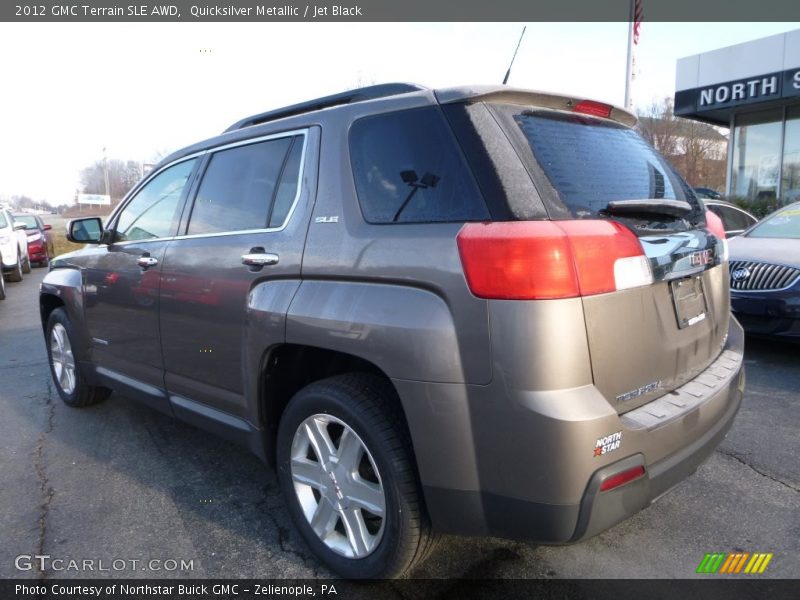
[(363, 409), (16, 275), (26, 266), (62, 355), (2, 285)]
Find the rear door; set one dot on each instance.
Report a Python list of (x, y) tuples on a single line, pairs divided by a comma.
[(647, 340), (249, 207)]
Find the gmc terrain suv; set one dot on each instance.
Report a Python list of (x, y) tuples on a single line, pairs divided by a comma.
[(479, 310)]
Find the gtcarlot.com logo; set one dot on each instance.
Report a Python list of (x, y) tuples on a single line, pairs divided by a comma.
[(735, 563), (45, 562)]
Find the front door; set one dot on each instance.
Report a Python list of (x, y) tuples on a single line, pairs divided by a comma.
[(121, 282)]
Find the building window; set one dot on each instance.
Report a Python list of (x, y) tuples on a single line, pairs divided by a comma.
[(756, 165), (790, 184)]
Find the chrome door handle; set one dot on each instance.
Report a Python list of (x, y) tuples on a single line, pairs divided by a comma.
[(146, 261), (260, 259)]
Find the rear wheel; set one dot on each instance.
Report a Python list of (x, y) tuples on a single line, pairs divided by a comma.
[(71, 385), (346, 469), (16, 274)]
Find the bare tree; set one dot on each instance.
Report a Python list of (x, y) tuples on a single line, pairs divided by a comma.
[(697, 150), (659, 126), (122, 176)]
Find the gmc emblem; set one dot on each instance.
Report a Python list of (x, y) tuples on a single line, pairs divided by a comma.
[(704, 257)]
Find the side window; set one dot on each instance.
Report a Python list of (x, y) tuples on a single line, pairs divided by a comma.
[(408, 169), (287, 189), (153, 212), (242, 185)]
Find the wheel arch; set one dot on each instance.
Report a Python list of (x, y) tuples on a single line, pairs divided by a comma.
[(287, 368)]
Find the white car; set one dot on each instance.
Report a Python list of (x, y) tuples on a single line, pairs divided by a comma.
[(13, 247)]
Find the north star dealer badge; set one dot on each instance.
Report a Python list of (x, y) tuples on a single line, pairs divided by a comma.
[(607, 444)]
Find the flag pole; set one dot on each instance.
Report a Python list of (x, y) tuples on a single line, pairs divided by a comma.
[(629, 65)]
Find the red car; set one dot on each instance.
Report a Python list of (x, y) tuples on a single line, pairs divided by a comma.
[(40, 240)]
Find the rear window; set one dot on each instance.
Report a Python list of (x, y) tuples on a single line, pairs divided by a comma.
[(28, 220), (409, 169), (590, 162)]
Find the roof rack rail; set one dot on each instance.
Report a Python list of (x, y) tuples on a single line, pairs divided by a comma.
[(348, 97)]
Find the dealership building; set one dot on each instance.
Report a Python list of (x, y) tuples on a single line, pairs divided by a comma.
[(754, 90)]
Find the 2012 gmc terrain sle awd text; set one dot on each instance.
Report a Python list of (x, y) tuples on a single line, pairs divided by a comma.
[(484, 311)]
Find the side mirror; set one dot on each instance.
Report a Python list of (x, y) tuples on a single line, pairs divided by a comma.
[(19, 226), (47, 227), (85, 231)]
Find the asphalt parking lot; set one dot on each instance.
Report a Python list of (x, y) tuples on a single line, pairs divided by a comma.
[(119, 482)]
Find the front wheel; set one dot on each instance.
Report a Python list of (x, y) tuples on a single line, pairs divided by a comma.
[(26, 265), (345, 466), (70, 383), (16, 274), (2, 284)]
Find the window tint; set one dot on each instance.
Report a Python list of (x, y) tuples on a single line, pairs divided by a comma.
[(590, 162), (408, 169), (238, 187), (153, 211)]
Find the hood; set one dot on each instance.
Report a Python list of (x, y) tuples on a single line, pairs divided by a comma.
[(768, 250)]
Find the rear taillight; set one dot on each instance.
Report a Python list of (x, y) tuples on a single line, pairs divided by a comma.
[(539, 260), (622, 478), (715, 225), (590, 107)]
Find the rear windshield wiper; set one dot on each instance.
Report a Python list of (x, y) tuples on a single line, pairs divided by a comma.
[(672, 208)]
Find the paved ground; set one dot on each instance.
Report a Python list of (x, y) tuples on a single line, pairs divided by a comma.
[(120, 482)]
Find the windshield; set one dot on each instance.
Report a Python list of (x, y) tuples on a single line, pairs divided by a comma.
[(590, 162), (783, 224)]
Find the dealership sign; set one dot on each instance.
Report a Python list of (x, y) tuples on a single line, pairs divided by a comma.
[(751, 90), (98, 199)]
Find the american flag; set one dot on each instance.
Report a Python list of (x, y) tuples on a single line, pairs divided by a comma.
[(638, 14)]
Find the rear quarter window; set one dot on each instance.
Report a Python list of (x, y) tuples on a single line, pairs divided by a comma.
[(408, 168)]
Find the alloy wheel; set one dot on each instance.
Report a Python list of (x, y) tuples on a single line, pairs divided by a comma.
[(62, 358), (338, 486)]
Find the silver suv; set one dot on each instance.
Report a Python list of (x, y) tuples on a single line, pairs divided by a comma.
[(484, 311)]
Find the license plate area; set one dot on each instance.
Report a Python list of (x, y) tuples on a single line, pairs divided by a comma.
[(689, 299)]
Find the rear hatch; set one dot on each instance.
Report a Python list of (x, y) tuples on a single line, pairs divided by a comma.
[(662, 316)]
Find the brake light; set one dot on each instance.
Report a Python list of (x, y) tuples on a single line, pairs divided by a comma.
[(622, 478), (538, 260), (590, 107), (715, 225)]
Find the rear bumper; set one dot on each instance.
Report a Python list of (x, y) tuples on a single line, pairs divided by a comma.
[(526, 468)]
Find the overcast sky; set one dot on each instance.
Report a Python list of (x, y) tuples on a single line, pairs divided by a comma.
[(143, 90)]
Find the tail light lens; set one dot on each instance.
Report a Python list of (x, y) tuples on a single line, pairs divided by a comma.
[(715, 225), (537, 260)]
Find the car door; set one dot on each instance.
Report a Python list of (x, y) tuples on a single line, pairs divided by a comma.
[(248, 203), (121, 280)]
